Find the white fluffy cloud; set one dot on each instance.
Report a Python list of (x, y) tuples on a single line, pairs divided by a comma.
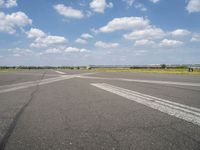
[(154, 1), (74, 49), (86, 36), (137, 5), (35, 33), (48, 40), (129, 2), (99, 6), (180, 32), (66, 50), (193, 6), (140, 7), (195, 37), (106, 45), (149, 33), (125, 23), (53, 51), (68, 12), (10, 22), (170, 43), (144, 43), (44, 40), (17, 52), (81, 41), (8, 3), (143, 33), (161, 44)]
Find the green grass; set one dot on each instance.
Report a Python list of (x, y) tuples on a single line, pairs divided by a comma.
[(161, 71)]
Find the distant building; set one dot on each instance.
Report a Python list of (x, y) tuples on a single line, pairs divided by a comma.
[(89, 67)]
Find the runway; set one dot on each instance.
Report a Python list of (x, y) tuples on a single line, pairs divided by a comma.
[(68, 109)]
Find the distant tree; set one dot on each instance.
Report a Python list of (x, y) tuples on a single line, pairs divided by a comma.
[(163, 66), (182, 67)]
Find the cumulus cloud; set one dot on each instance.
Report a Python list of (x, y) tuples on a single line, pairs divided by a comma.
[(10, 22), (106, 45), (8, 3), (74, 49), (81, 41), (180, 32), (143, 33), (99, 6), (86, 36), (94, 31), (195, 37), (44, 40), (154, 1), (35, 33), (161, 44), (66, 50), (68, 12), (53, 51), (129, 2), (140, 7), (193, 6), (149, 33), (17, 52), (170, 43), (125, 23), (144, 43), (48, 40)]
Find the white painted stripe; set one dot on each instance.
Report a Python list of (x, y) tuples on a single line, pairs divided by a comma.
[(18, 86), (60, 72), (31, 84), (160, 100), (190, 114), (145, 81)]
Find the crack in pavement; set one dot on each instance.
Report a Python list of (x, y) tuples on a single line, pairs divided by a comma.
[(12, 126)]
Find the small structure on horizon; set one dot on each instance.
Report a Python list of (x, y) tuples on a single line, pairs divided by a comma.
[(88, 67)]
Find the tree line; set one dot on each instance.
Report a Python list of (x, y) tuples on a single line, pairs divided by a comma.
[(40, 67)]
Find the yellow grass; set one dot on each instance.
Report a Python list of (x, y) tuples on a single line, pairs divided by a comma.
[(161, 71)]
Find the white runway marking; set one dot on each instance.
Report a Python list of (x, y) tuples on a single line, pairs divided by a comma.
[(14, 87), (190, 114), (18, 86), (145, 81), (60, 72)]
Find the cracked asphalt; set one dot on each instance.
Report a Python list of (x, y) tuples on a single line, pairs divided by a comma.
[(72, 114)]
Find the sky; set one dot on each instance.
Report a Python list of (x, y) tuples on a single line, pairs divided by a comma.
[(99, 32)]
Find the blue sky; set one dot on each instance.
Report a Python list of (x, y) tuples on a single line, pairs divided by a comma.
[(104, 32)]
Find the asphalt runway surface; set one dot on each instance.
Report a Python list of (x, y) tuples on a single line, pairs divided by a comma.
[(72, 110)]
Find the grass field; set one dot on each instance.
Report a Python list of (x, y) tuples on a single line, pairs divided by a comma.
[(161, 71), (15, 70), (9, 70)]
